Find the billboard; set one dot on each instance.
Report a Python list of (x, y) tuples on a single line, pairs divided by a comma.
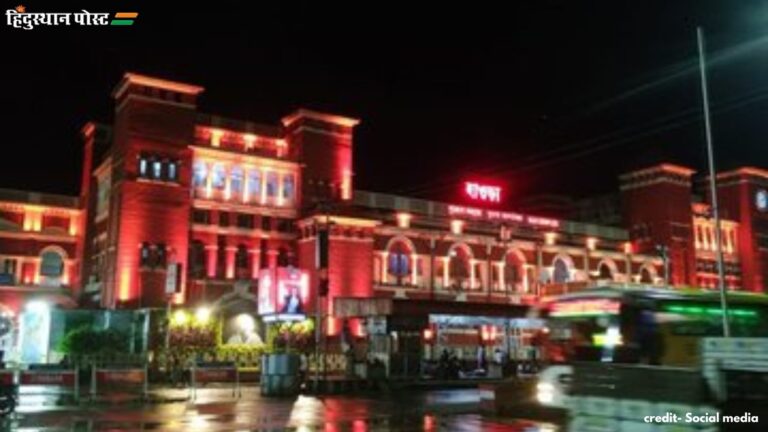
[(283, 293)]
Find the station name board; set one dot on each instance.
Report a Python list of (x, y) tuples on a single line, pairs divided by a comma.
[(483, 192), (501, 216)]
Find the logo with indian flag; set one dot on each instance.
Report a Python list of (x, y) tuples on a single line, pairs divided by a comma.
[(20, 17)]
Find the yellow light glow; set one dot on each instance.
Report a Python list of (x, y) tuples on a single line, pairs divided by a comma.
[(179, 318), (549, 238), (457, 226), (203, 315), (404, 220), (591, 243)]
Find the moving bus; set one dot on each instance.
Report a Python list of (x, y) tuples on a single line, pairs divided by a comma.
[(646, 325), (637, 325)]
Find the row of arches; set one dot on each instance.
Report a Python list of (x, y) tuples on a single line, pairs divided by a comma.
[(400, 264)]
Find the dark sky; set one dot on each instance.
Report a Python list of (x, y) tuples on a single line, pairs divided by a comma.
[(547, 96)]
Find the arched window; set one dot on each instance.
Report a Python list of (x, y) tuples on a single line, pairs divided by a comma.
[(605, 271), (459, 267), (646, 276), (254, 184), (560, 271), (51, 264), (399, 262), (513, 272)]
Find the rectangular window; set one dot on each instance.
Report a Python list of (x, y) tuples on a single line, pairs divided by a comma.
[(236, 182), (283, 225), (223, 219), (245, 221), (288, 186), (172, 171), (201, 216), (266, 223), (199, 174), (157, 169), (143, 166), (254, 184), (218, 175), (272, 184)]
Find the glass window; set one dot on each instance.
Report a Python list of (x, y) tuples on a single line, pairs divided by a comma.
[(161, 256), (254, 183), (172, 171), (236, 183), (245, 220), (201, 216), (200, 174), (157, 169), (218, 174), (223, 219), (271, 184), (288, 186), (143, 166), (52, 264), (144, 254)]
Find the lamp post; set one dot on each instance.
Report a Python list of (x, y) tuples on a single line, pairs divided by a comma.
[(664, 254), (713, 182)]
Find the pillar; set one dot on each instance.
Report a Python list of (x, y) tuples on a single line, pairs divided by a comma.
[(255, 262), (414, 269), (446, 263), (230, 263), (384, 256), (210, 260)]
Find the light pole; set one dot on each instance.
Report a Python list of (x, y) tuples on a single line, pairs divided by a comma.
[(664, 254), (713, 182)]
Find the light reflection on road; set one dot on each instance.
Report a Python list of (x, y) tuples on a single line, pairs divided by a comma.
[(454, 410)]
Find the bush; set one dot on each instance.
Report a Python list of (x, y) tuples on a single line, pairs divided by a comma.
[(88, 341)]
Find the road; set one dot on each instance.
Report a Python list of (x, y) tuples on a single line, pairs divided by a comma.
[(217, 410)]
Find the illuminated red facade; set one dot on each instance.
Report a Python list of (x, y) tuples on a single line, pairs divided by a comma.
[(226, 199)]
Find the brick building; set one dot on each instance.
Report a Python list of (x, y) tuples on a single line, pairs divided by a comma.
[(164, 183)]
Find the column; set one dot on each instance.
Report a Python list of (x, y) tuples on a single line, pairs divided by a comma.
[(246, 177), (501, 266), (272, 258), (230, 263), (414, 269), (227, 182), (446, 263), (263, 191), (384, 256), (472, 265), (526, 286), (255, 262), (279, 198), (210, 260)]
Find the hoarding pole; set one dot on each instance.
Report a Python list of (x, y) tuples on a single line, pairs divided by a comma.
[(713, 184)]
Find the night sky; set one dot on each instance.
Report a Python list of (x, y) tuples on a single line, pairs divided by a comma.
[(546, 96)]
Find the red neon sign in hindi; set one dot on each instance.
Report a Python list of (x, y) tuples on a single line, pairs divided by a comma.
[(483, 192)]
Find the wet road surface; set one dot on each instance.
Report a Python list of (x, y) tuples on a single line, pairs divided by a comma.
[(216, 410)]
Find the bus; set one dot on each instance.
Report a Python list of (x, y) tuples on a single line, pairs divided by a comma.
[(646, 325), (637, 325)]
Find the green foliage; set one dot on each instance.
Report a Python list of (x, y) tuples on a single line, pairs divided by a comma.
[(292, 337), (242, 354), (85, 340)]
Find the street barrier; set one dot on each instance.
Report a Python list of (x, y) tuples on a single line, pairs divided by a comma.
[(215, 372), (48, 376), (130, 377)]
